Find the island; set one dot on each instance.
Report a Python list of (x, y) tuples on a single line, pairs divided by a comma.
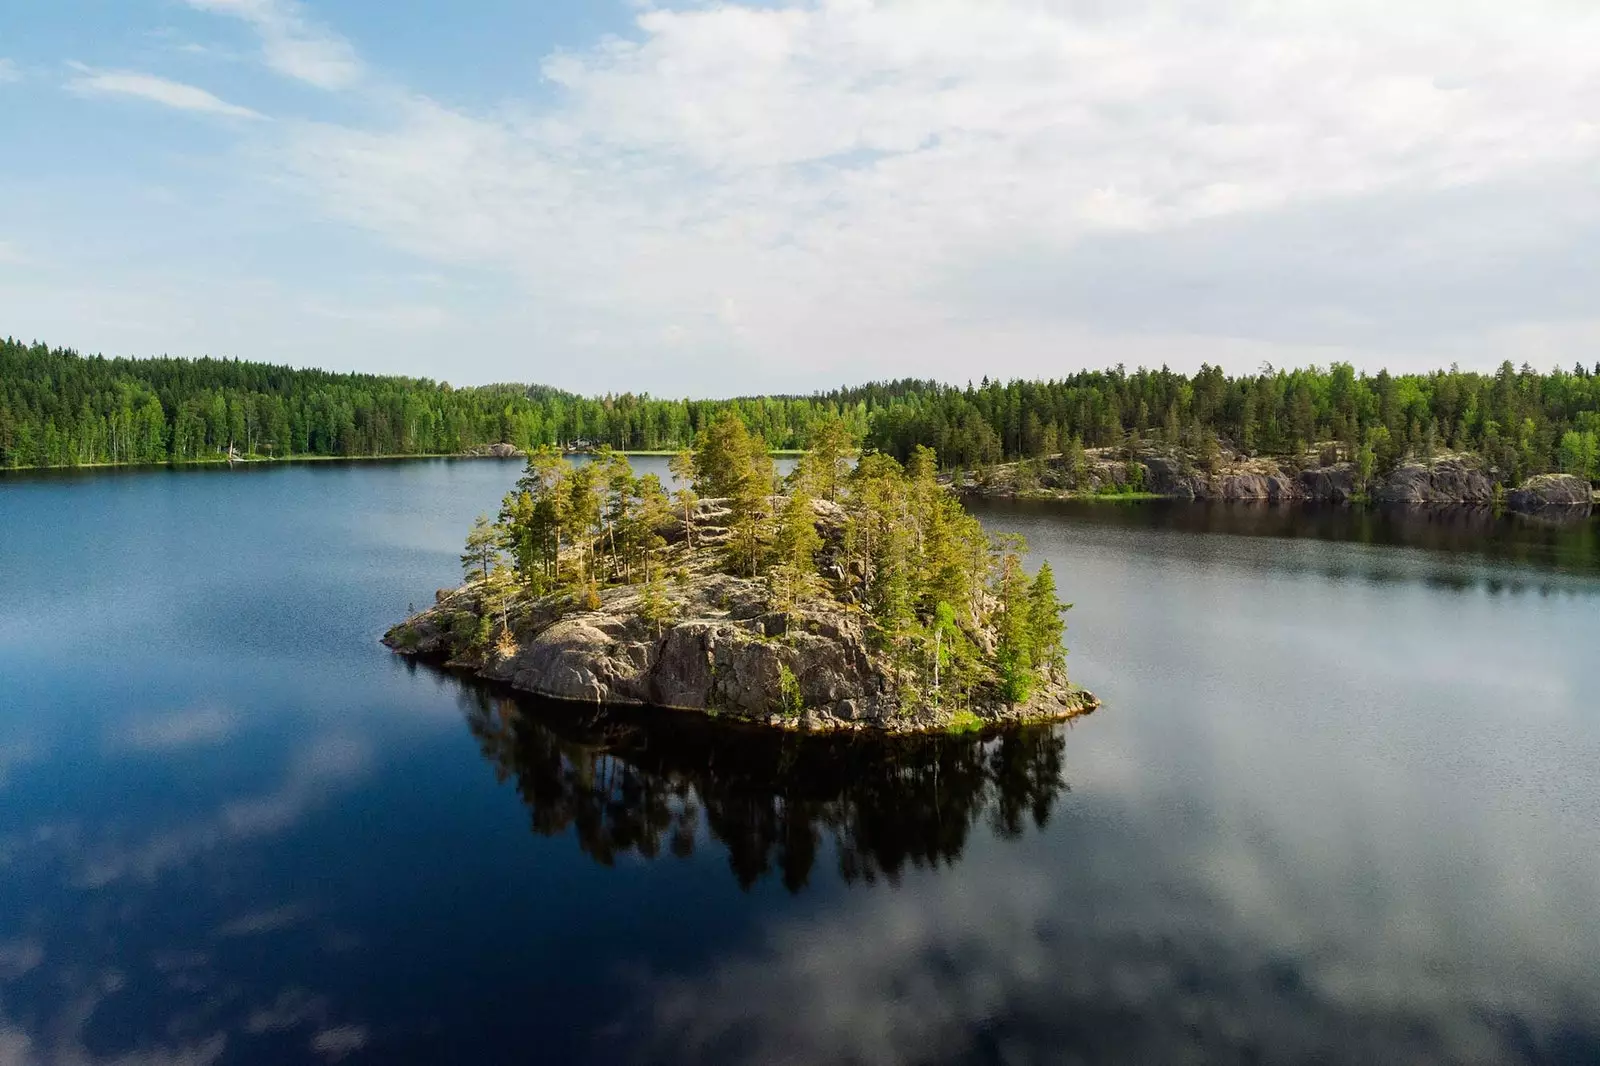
[(855, 594)]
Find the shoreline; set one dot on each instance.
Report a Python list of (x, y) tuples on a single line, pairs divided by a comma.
[(1076, 496), (1078, 703), (292, 460)]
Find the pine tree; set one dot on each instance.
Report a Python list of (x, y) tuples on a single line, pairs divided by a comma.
[(832, 449), (1045, 624), (722, 455), (483, 552), (682, 468), (1014, 653)]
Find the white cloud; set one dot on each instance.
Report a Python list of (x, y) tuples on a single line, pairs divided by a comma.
[(817, 192), (395, 317), (9, 71), (809, 182), (292, 43), (174, 94)]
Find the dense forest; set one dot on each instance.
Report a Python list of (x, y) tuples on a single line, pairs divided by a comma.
[(1521, 422), (58, 408), (61, 409)]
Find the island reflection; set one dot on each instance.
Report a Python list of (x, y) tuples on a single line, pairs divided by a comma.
[(626, 784)]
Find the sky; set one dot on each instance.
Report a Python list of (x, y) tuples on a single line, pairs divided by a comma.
[(694, 198)]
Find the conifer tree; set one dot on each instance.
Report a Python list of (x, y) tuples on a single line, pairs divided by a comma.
[(832, 448), (1045, 624), (1014, 652), (682, 468), (722, 456), (793, 578), (483, 552)]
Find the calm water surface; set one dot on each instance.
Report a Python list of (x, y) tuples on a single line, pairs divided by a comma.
[(1342, 805)]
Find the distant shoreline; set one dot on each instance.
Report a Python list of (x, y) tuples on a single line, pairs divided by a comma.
[(291, 460)]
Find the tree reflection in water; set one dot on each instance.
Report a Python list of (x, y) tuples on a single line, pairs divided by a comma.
[(625, 782)]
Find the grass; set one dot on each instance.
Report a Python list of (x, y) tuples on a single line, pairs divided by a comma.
[(963, 722)]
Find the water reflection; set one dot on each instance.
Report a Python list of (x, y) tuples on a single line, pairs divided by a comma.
[(1563, 539), (627, 786)]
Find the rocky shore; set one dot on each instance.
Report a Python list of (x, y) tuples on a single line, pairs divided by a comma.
[(724, 652), (1173, 473)]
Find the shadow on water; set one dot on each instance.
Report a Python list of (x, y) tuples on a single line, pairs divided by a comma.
[(624, 784)]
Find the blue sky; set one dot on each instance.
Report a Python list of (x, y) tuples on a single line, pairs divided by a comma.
[(713, 198)]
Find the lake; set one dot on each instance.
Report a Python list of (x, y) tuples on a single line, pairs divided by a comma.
[(1342, 804)]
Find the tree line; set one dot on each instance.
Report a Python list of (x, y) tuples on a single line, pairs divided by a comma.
[(949, 605), (1520, 421), (58, 408)]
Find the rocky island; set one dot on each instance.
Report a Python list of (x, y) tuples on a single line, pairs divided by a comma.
[(853, 595)]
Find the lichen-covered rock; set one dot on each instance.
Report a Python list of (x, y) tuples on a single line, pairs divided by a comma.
[(1228, 475), (1443, 482), (1332, 484), (1551, 491)]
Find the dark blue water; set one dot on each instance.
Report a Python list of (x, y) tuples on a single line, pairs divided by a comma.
[(1342, 805)]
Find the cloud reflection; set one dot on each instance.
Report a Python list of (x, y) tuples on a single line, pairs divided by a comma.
[(1106, 958), (173, 731)]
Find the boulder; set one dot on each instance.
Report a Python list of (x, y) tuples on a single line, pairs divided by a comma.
[(1333, 484), (1551, 491), (1447, 481)]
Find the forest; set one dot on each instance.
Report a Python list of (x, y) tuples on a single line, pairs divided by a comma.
[(58, 408)]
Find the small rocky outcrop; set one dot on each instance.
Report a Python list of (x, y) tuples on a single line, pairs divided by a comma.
[(1551, 491), (725, 652), (495, 451)]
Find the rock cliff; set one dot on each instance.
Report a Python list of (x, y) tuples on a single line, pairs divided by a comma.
[(1448, 480), (1551, 491)]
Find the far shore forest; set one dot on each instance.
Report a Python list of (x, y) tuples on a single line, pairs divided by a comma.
[(61, 409)]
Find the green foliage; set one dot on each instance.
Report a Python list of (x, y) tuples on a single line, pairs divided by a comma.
[(1015, 654), (910, 559), (1366, 466), (684, 497), (731, 464), (1275, 412), (469, 632), (1045, 627), (833, 448), (655, 606), (483, 554), (61, 409), (790, 699), (58, 408), (963, 722), (1579, 454)]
